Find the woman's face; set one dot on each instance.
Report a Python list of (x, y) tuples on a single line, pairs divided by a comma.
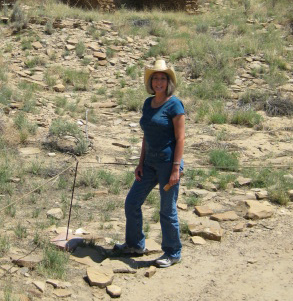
[(159, 82)]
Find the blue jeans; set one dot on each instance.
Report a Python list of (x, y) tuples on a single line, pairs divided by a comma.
[(154, 173)]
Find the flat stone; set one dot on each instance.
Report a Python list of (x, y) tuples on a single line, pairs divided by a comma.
[(101, 192), (102, 62), (207, 229), (94, 46), (260, 195), (198, 240), (239, 227), (182, 206), (62, 293), (114, 291), (27, 151), (241, 181), (104, 105), (68, 243), (40, 285), (100, 55), (29, 261), (55, 213), (151, 271), (225, 216), (37, 45), (196, 192), (123, 145), (119, 265), (251, 224), (208, 186), (60, 230), (203, 210), (70, 47), (258, 210), (72, 41), (58, 284), (59, 88), (100, 276)]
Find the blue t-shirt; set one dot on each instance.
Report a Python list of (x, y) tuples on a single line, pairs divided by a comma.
[(158, 129)]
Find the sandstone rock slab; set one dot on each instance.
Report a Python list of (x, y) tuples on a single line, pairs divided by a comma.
[(203, 210), (100, 276), (225, 216), (114, 291), (257, 210)]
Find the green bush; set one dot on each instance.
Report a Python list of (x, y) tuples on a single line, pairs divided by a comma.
[(132, 99), (223, 160), (80, 49), (5, 94), (4, 245), (60, 128), (54, 263), (248, 118)]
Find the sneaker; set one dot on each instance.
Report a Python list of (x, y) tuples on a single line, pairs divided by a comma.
[(165, 261), (125, 249)]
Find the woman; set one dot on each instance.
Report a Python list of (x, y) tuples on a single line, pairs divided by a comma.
[(163, 124)]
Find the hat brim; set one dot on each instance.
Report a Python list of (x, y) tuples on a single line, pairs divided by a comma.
[(150, 71)]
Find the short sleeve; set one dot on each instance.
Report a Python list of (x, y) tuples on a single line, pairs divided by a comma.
[(177, 108), (146, 103)]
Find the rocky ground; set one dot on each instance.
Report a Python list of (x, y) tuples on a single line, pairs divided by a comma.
[(237, 245)]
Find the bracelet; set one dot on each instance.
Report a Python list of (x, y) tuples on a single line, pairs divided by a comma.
[(176, 163)]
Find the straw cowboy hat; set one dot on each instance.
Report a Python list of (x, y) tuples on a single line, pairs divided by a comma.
[(160, 66)]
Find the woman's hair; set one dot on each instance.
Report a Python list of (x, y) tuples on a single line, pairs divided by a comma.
[(170, 85)]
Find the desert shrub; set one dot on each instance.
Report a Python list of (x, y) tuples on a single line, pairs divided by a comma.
[(5, 94), (18, 18), (192, 201), (54, 263), (132, 71), (4, 245), (80, 49), (49, 29), (223, 160), (26, 43), (278, 195), (210, 89), (248, 118), (279, 106), (20, 231), (225, 179), (22, 123), (254, 98), (60, 128), (128, 179), (218, 114), (78, 78), (89, 178), (132, 99), (35, 61)]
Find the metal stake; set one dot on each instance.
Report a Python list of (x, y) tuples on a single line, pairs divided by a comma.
[(72, 198)]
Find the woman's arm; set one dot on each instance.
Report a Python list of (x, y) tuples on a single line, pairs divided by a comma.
[(179, 129), (139, 168)]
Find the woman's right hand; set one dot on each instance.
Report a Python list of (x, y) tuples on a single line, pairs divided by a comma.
[(138, 172)]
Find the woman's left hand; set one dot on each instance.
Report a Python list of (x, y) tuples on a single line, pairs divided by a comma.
[(174, 178)]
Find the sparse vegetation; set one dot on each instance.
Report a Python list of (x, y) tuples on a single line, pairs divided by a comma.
[(54, 262), (224, 160)]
